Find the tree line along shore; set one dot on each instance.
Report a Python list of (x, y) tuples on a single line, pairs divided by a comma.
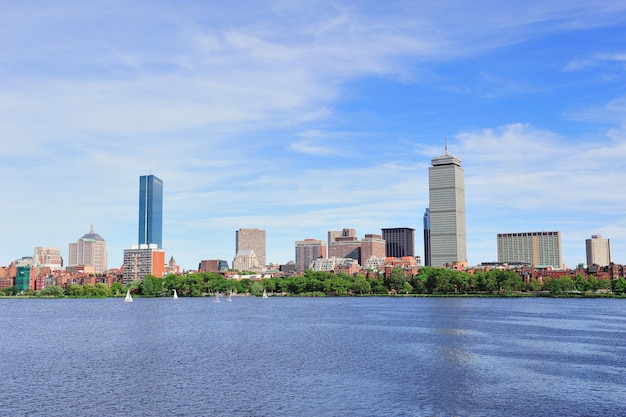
[(428, 282)]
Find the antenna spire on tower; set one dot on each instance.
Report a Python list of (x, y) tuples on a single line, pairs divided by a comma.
[(445, 145)]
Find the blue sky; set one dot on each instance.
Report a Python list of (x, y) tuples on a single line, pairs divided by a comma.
[(299, 119)]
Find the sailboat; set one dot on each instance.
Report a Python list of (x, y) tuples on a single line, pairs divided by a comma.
[(217, 297), (264, 294), (175, 297), (128, 298), (230, 296)]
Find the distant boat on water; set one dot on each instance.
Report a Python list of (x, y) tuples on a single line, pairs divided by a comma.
[(175, 297), (230, 296), (264, 294), (217, 297), (128, 298)]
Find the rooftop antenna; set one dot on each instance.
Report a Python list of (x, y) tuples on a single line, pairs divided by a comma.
[(446, 145)]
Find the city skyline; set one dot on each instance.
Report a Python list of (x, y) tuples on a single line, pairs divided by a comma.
[(299, 119)]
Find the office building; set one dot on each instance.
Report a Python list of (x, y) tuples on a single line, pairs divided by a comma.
[(598, 251), (399, 242), (142, 260), (251, 239), (372, 246), (23, 276), (541, 249), (47, 257), (345, 247), (334, 234), (89, 251), (307, 251), (150, 211), (446, 192), (213, 265), (427, 260), (247, 261)]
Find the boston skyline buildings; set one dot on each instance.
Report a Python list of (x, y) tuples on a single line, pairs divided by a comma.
[(446, 214), (150, 210)]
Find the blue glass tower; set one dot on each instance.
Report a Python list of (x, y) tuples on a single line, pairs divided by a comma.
[(150, 210)]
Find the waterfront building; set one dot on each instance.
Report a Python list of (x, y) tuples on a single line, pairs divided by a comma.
[(150, 211), (540, 249), (253, 239), (345, 247), (399, 242), (246, 261), (45, 256), (427, 259), (142, 260), (372, 245), (335, 265), (598, 251), (334, 234), (23, 275), (307, 251), (89, 251), (213, 265), (446, 215)]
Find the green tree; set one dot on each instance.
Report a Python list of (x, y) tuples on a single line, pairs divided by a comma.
[(566, 283), (256, 289), (552, 285), (619, 286), (361, 286), (116, 289), (52, 291), (396, 280), (14, 290), (73, 290), (151, 286), (580, 283), (534, 284)]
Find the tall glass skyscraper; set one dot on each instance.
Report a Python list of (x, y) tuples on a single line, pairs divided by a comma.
[(150, 210), (446, 189)]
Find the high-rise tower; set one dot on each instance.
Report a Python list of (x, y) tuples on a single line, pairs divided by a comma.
[(253, 239), (598, 251), (89, 251), (150, 210), (427, 260), (446, 189)]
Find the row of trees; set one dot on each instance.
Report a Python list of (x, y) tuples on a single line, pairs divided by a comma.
[(427, 281)]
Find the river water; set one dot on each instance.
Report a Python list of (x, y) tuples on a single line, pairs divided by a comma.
[(313, 357)]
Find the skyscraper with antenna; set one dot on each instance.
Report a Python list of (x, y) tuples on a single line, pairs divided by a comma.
[(446, 190)]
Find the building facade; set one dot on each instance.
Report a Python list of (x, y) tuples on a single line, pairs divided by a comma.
[(446, 193), (253, 239), (598, 251), (427, 260), (213, 265), (45, 256), (141, 260), (246, 261), (89, 251), (399, 242), (23, 276), (307, 251), (540, 249), (372, 245), (150, 211)]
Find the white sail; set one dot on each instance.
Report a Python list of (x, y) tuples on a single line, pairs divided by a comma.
[(264, 294), (175, 297), (230, 296), (217, 297), (128, 298)]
